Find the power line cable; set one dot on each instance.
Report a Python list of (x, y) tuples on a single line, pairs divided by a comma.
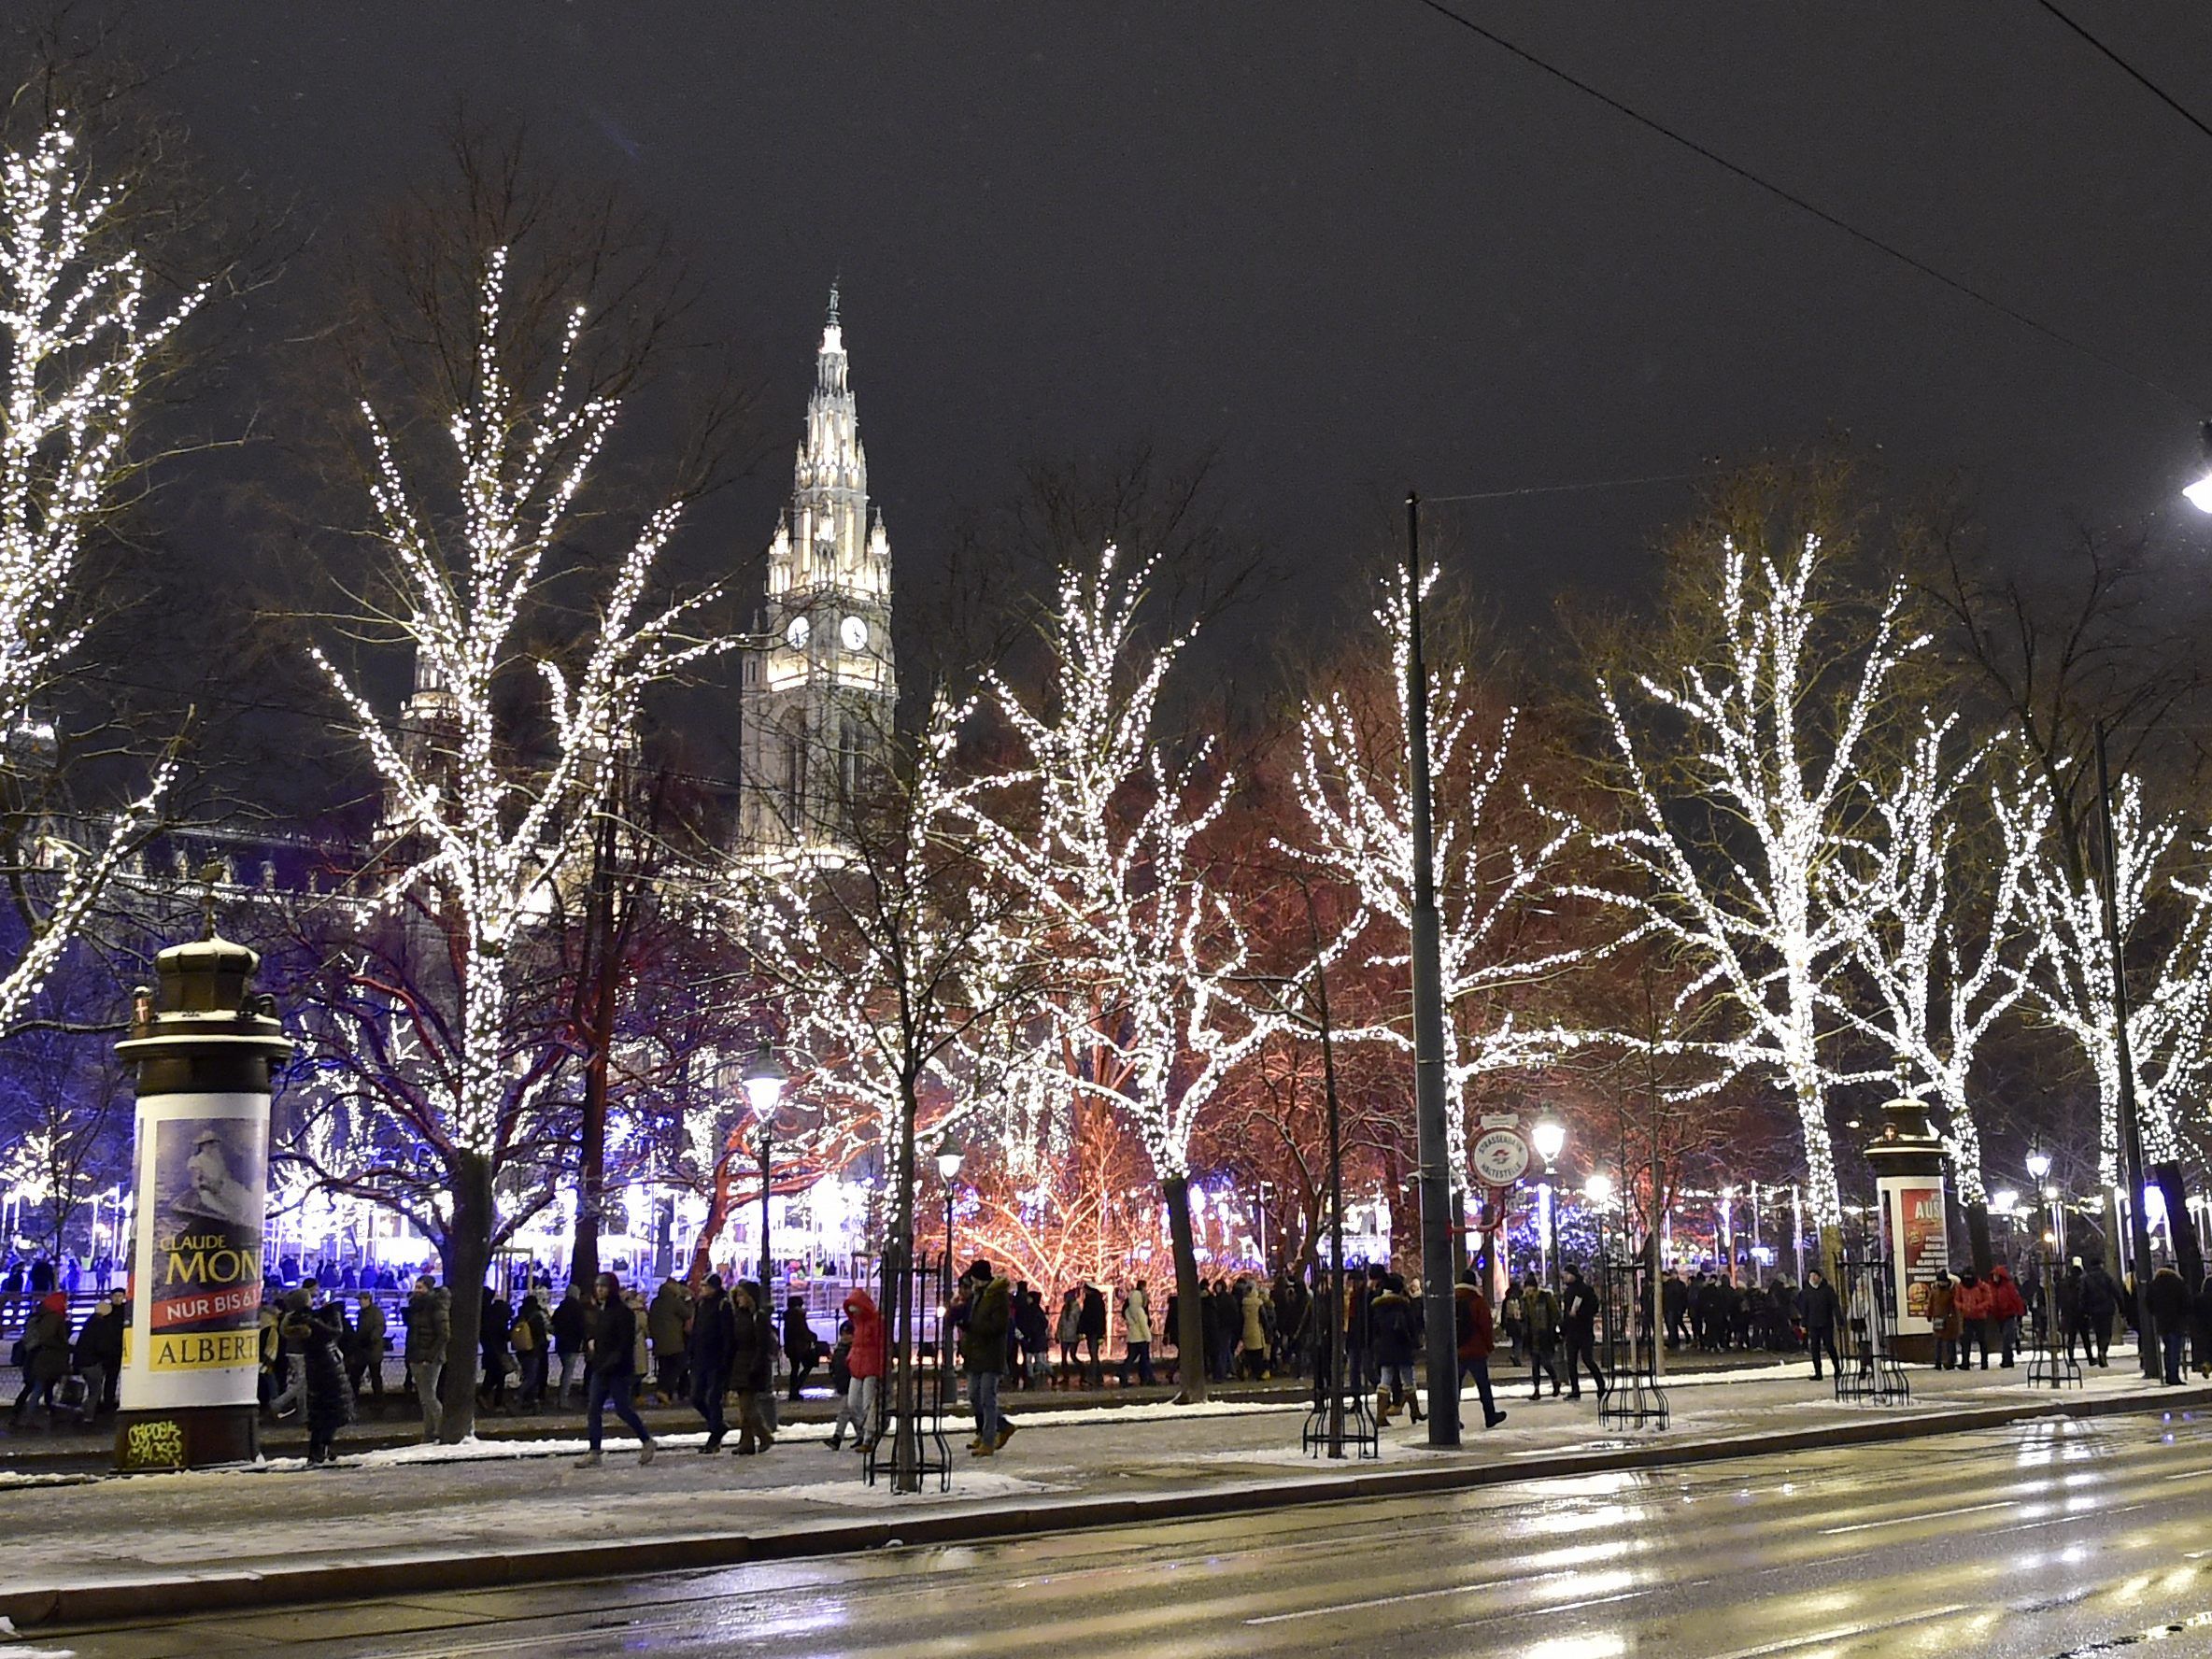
[(2129, 69), (1783, 194)]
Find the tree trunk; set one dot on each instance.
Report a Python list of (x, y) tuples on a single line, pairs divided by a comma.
[(2188, 1256), (466, 1253), (717, 1217), (1190, 1314), (1978, 1247), (591, 1174)]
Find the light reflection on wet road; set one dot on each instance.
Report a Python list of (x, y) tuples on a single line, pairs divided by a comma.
[(2036, 1541)]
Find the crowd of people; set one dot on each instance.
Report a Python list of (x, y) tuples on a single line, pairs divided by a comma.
[(606, 1347)]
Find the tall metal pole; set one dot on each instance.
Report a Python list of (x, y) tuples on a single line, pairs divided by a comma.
[(1337, 1308), (2131, 1133), (767, 1258), (1428, 1033)]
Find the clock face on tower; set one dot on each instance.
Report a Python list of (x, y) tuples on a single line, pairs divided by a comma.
[(795, 635), (853, 631)]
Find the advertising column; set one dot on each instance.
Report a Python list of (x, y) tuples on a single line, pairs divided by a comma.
[(1908, 1160), (202, 1055)]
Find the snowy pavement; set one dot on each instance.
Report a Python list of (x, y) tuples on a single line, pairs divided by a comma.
[(499, 1499)]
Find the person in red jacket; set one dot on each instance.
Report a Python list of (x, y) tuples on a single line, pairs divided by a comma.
[(2008, 1308), (1477, 1337), (866, 1366), (1973, 1304)]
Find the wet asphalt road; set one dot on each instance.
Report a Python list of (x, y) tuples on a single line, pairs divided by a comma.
[(2036, 1541)]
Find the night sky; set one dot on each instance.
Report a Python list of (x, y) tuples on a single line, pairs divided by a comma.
[(1356, 246)]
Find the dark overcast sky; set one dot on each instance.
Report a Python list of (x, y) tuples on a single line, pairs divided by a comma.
[(1357, 245)]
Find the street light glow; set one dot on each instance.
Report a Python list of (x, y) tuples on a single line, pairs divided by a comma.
[(2199, 495), (1598, 1188), (763, 1079), (948, 1159), (2038, 1166), (1549, 1138)]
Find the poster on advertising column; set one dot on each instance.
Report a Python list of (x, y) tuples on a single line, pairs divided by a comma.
[(1923, 1248), (196, 1281)]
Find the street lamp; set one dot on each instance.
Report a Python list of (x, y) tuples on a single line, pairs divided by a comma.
[(2038, 1165), (1599, 1191), (1549, 1138), (948, 1171), (2199, 494), (763, 1081)]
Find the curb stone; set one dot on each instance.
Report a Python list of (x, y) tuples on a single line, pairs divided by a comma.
[(143, 1600)]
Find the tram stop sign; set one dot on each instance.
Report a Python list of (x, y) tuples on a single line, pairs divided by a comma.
[(1501, 1155)]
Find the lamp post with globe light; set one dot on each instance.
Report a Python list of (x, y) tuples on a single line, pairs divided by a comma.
[(1549, 1138), (763, 1079), (1599, 1192), (949, 1156)]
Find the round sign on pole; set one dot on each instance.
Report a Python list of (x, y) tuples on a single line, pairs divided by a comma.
[(1500, 1157)]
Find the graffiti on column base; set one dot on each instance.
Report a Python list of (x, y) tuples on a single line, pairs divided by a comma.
[(159, 1444)]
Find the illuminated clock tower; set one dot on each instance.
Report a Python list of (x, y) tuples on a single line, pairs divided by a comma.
[(817, 702)]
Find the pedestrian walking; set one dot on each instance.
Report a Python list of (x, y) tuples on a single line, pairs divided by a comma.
[(492, 1342), (1818, 1309), (2169, 1301), (1252, 1334), (42, 1352), (430, 1329), (802, 1349), (327, 1396), (1136, 1332), (1943, 1314), (1477, 1336), (572, 1327), (1067, 1332), (99, 1355), (2008, 1308), (1395, 1339), (2100, 1302), (666, 1321), (1539, 1325), (865, 1364), (612, 1352), (982, 1354), (1974, 1307), (707, 1349), (752, 1369), (1578, 1332), (531, 1335), (1091, 1328), (364, 1360)]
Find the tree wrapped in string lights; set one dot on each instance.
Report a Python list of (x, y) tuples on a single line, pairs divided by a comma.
[(1946, 963), (2168, 1024), (1351, 781), (1103, 837), (1735, 868), (491, 812), (893, 947), (78, 340)]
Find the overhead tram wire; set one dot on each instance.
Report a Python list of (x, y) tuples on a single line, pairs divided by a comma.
[(1803, 204), (2129, 69)]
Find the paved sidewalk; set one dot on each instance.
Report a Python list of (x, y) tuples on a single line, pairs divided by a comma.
[(83, 1549)]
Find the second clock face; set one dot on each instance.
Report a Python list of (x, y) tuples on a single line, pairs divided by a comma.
[(795, 635), (853, 631)]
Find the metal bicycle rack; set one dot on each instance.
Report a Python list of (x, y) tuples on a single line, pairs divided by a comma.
[(1632, 1396), (1869, 1372)]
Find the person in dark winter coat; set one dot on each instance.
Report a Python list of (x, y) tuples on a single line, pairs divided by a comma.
[(99, 1357), (45, 1355), (1091, 1326), (328, 1398), (364, 1359), (613, 1352), (1478, 1336), (491, 1341), (752, 1368), (2100, 1301), (1818, 1308), (1390, 1315), (2169, 1302), (1578, 1330), (707, 1347), (1674, 1305), (802, 1349), (983, 1354), (572, 1327)]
